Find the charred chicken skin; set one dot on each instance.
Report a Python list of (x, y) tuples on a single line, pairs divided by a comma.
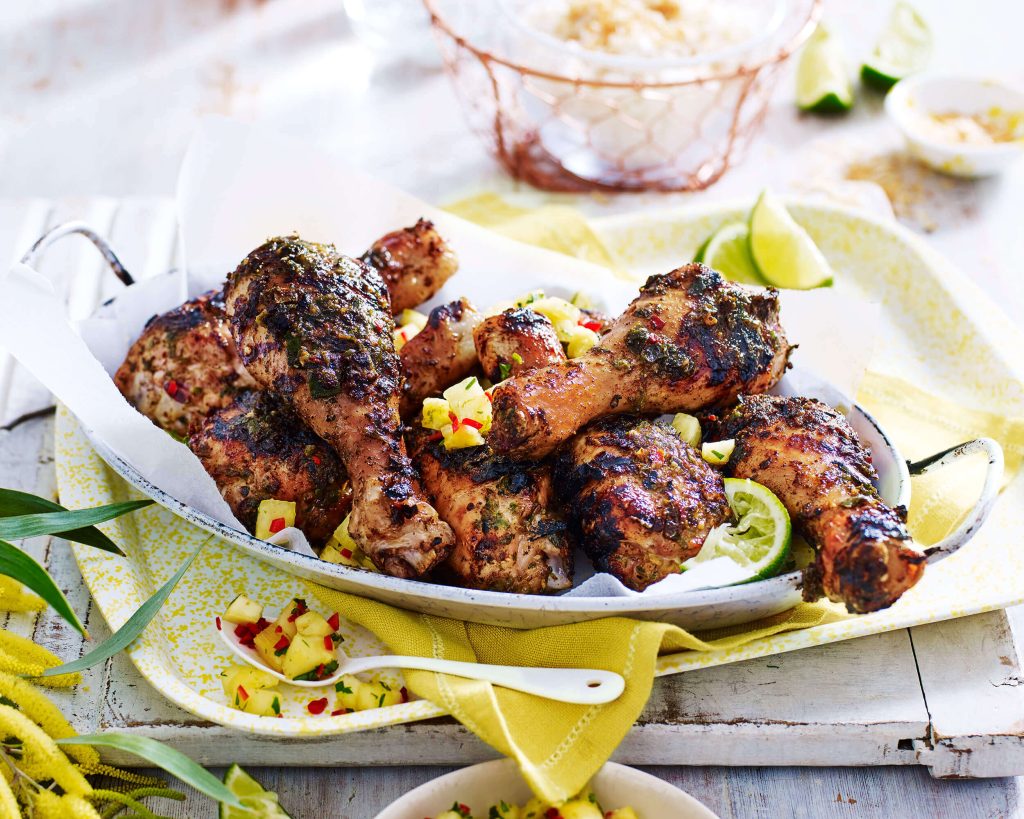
[(257, 449), (640, 499), (516, 341), (439, 355), (808, 455), (414, 262), (508, 535), (691, 340), (184, 365), (315, 327)]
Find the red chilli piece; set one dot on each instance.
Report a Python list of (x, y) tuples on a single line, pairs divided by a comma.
[(283, 643), (454, 419), (346, 553), (472, 423), (334, 621), (171, 388), (340, 712), (464, 809), (437, 436), (405, 693), (593, 325), (328, 642), (218, 624), (276, 525), (657, 322), (243, 694), (316, 460), (317, 706)]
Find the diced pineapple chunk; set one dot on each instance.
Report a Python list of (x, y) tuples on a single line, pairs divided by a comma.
[(306, 654), (347, 692), (334, 552), (377, 694), (463, 437), (404, 334), (262, 703), (529, 299), (273, 516), (243, 610), (580, 341), (435, 413), (459, 394), (621, 813), (718, 452), (341, 548), (477, 409), (245, 675), (266, 643), (580, 809), (688, 428), (562, 314), (313, 624), (414, 317), (583, 300)]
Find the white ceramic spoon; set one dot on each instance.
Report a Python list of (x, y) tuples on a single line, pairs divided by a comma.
[(584, 686)]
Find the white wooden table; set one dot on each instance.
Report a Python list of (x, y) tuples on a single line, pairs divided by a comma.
[(100, 97)]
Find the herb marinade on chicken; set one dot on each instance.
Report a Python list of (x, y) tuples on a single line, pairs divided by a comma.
[(640, 499), (184, 365), (316, 328), (691, 340), (516, 341), (811, 458), (258, 449)]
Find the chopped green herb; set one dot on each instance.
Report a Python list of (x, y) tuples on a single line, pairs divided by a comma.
[(275, 705), (504, 370), (385, 686), (717, 454), (470, 383), (518, 359), (341, 688)]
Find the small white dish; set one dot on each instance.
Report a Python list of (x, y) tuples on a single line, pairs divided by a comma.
[(912, 103), (480, 786)]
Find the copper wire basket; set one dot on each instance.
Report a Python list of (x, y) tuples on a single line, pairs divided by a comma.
[(579, 121)]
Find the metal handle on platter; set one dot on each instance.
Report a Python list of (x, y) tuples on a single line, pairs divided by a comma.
[(58, 232), (986, 500)]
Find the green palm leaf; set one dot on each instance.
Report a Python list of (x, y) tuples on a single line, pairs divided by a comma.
[(13, 502), (52, 523), (163, 756)]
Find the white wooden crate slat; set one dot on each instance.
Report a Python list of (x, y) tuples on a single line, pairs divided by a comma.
[(888, 699)]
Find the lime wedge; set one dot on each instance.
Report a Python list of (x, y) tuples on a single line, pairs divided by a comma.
[(759, 537), (902, 49), (783, 253), (822, 83), (259, 803), (727, 250)]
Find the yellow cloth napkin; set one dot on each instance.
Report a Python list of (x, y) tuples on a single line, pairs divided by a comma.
[(560, 746)]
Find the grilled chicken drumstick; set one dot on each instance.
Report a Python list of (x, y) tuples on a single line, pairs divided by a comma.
[(516, 341), (690, 340), (316, 328), (184, 365), (640, 499), (808, 455), (438, 355), (414, 262), (257, 449), (509, 534)]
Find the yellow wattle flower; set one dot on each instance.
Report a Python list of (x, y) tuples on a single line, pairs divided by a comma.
[(48, 805), (37, 707), (41, 759), (13, 597), (8, 804), (22, 657)]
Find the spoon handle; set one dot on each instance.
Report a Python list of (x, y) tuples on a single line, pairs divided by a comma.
[(584, 686)]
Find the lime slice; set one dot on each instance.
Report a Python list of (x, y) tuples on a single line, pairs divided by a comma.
[(759, 538), (822, 83), (903, 49), (783, 253), (259, 803), (727, 250)]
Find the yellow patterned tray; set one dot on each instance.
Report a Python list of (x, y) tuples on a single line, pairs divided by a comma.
[(939, 333)]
